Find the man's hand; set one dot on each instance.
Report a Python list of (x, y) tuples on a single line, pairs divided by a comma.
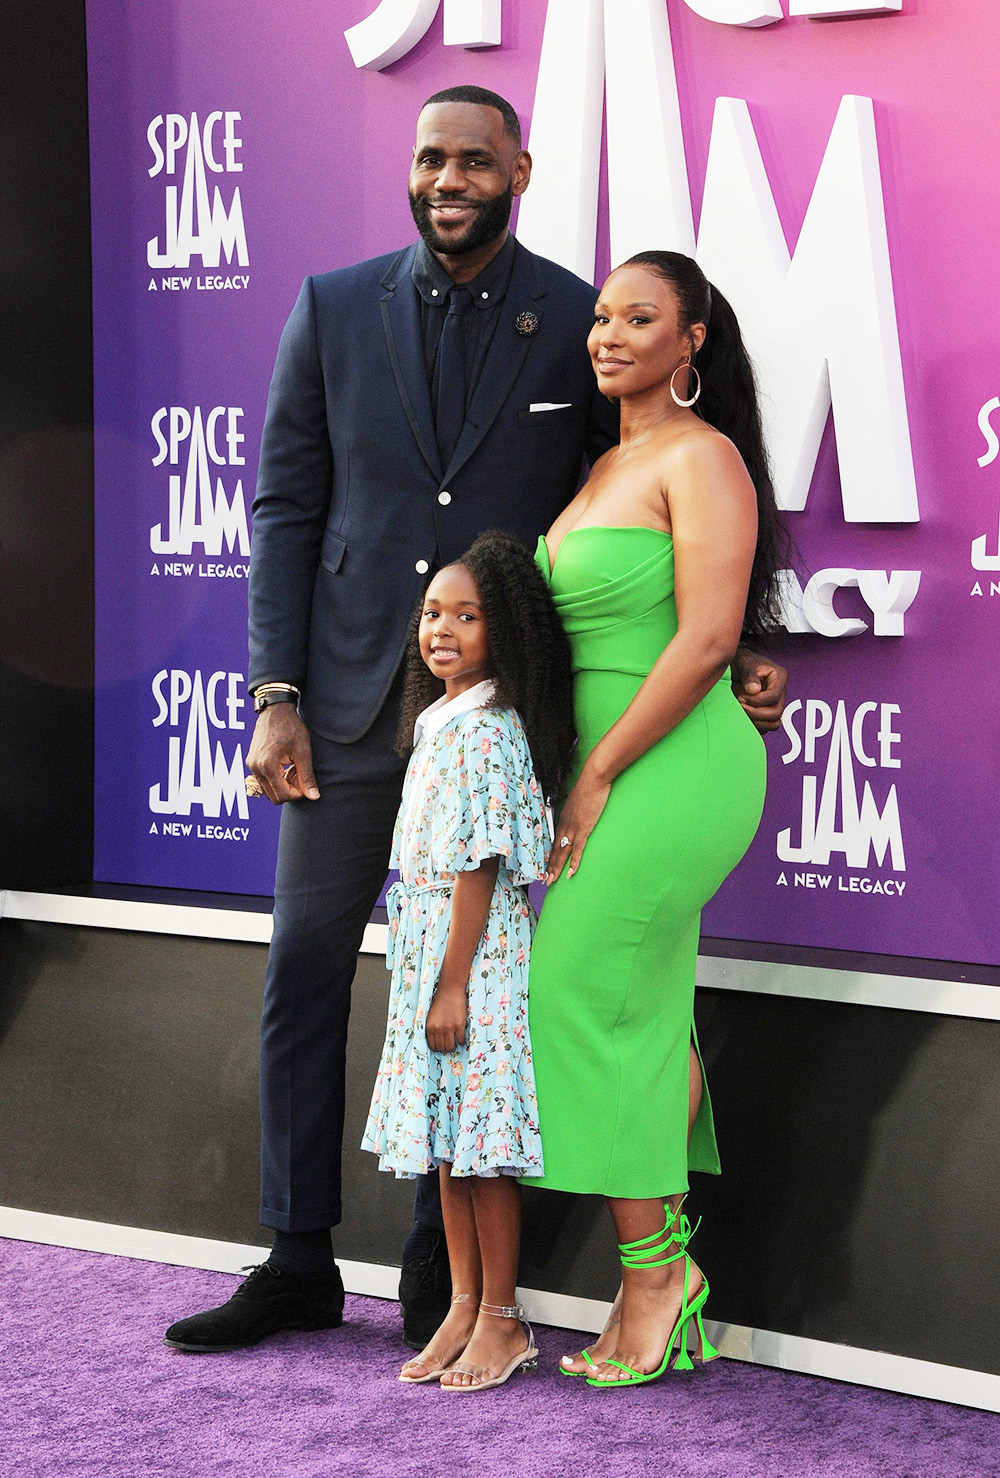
[(447, 1017), (280, 755), (760, 686)]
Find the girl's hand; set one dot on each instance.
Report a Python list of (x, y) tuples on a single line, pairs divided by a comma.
[(447, 1017), (577, 820)]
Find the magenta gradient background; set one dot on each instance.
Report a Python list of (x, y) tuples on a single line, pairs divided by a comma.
[(325, 151)]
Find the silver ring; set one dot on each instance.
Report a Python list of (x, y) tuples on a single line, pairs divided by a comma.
[(565, 842)]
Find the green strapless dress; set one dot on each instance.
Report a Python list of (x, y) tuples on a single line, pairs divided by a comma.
[(611, 987)]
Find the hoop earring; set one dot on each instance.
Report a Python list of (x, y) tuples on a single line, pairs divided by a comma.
[(673, 393)]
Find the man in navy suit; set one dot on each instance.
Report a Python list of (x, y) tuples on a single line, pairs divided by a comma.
[(417, 399)]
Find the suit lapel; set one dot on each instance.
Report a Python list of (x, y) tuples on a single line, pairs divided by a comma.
[(400, 305), (507, 353)]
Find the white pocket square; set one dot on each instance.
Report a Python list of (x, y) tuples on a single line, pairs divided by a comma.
[(550, 405)]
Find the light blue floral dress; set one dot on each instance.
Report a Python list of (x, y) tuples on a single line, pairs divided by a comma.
[(470, 794)]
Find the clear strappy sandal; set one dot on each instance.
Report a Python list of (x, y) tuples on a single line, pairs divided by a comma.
[(435, 1368), (482, 1375)]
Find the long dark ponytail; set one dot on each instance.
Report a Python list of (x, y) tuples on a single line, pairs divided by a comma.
[(729, 402)]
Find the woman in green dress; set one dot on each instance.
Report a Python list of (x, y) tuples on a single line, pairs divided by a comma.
[(665, 557)]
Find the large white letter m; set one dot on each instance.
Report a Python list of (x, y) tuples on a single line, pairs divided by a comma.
[(820, 327)]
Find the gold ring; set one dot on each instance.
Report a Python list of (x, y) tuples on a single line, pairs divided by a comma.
[(252, 786)]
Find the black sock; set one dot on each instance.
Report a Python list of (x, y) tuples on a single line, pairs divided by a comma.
[(306, 1254)]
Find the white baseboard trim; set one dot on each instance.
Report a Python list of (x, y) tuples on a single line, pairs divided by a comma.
[(186, 920), (805, 982), (852, 987), (757, 1346)]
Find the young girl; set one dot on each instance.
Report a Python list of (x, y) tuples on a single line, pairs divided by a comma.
[(455, 1086)]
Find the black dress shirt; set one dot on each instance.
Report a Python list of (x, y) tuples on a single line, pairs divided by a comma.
[(487, 291)]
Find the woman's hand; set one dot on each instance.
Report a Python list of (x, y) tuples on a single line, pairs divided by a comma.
[(577, 820), (447, 1017)]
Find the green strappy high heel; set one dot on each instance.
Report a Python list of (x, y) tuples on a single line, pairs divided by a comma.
[(646, 1253)]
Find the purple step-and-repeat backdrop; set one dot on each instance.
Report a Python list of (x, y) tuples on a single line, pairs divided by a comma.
[(834, 162)]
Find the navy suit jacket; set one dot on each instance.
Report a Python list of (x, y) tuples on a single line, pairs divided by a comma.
[(353, 505)]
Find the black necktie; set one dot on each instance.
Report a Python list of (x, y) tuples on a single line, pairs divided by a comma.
[(451, 375)]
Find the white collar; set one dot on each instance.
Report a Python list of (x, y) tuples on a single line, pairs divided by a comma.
[(441, 712)]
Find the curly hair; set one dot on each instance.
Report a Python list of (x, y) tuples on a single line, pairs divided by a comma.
[(529, 655)]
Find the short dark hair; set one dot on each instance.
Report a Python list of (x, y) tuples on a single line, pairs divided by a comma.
[(483, 98)]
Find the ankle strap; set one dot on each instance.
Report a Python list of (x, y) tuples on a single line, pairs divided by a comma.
[(464, 1298), (503, 1311), (510, 1311), (645, 1253)]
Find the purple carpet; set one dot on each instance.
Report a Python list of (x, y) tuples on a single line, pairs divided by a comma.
[(86, 1388)]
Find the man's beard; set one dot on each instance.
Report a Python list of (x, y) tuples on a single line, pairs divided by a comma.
[(489, 222)]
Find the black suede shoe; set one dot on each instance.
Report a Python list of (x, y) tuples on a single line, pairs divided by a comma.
[(265, 1303), (425, 1293)]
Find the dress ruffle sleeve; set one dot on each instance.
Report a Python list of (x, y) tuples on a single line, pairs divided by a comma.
[(499, 800)]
